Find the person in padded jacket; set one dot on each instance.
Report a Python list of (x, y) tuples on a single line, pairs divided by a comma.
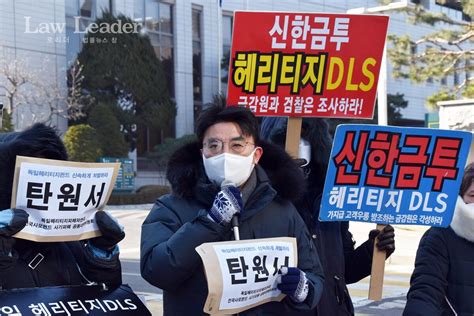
[(342, 262), (443, 280), (27, 264), (199, 210)]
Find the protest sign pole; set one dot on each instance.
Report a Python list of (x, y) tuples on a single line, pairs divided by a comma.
[(378, 258), (378, 270), (293, 132)]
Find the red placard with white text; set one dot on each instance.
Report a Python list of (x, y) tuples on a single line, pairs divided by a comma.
[(306, 64)]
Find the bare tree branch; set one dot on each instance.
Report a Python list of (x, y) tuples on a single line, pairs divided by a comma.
[(25, 88)]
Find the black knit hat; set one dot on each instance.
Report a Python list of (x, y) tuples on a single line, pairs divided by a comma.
[(37, 141)]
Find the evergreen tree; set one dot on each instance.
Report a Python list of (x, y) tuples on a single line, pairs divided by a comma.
[(107, 126), (123, 67), (82, 144), (443, 53)]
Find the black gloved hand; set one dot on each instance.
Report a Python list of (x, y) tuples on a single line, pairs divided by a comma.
[(386, 239), (293, 282), (11, 222), (112, 231)]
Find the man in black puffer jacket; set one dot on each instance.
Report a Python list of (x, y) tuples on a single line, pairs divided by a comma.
[(342, 262), (228, 149), (26, 264)]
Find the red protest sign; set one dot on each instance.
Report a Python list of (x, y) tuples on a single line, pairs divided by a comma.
[(306, 64)]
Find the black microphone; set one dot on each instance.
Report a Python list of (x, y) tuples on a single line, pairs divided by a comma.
[(235, 226)]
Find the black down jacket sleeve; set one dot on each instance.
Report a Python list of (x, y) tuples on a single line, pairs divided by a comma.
[(358, 261), (428, 282), (308, 261), (170, 234)]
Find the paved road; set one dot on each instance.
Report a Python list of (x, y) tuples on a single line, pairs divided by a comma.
[(397, 269), (132, 217), (131, 276), (392, 306)]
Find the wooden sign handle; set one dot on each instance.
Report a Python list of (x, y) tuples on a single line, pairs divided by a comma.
[(293, 134), (377, 273)]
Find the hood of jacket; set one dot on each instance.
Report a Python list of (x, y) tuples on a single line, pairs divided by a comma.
[(186, 169), (37, 141), (463, 220)]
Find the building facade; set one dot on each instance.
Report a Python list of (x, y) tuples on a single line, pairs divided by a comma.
[(30, 59), (189, 36)]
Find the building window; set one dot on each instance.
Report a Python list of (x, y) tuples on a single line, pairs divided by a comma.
[(428, 50), (104, 6), (456, 73), (466, 17), (139, 11), (467, 70), (452, 4), (197, 63), (424, 3), (152, 19), (157, 17), (86, 8), (72, 8), (227, 22), (74, 41), (444, 78), (413, 49), (86, 11), (455, 5)]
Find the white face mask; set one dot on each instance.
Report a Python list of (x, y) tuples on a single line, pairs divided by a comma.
[(304, 151), (230, 168)]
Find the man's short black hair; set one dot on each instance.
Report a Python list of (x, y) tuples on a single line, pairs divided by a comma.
[(214, 114)]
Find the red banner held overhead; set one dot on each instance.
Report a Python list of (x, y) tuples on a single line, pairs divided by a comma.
[(306, 64)]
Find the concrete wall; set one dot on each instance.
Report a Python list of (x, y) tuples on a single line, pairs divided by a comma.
[(458, 115)]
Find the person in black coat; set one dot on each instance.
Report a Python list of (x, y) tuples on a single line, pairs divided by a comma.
[(443, 280), (342, 262), (27, 264), (200, 209)]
